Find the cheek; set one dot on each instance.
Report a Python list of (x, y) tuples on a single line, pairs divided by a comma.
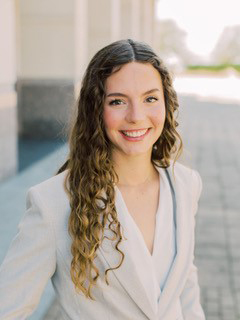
[(158, 117), (111, 119)]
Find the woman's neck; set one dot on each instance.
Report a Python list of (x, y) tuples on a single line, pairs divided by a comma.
[(134, 171)]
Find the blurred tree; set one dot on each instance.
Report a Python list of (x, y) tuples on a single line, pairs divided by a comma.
[(171, 44), (227, 49)]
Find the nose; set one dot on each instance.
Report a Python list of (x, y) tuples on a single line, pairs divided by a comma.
[(135, 113)]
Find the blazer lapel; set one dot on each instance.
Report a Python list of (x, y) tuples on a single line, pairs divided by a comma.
[(184, 243), (127, 274)]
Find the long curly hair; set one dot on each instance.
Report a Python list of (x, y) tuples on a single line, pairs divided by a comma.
[(90, 175)]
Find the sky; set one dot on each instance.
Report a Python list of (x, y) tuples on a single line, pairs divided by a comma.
[(203, 20)]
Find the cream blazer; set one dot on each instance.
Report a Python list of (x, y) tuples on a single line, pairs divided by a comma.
[(41, 250)]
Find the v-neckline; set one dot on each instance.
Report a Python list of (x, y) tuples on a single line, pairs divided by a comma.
[(135, 224)]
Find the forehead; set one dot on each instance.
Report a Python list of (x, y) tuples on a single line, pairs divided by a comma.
[(134, 75)]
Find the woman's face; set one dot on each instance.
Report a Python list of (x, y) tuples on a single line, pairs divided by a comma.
[(134, 108)]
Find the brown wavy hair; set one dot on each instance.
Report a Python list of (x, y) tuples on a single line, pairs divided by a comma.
[(90, 175)]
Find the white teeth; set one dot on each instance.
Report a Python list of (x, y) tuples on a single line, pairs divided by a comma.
[(138, 133)]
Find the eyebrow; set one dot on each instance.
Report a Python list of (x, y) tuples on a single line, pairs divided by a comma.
[(124, 95)]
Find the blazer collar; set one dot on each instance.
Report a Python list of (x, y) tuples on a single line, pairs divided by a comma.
[(127, 273)]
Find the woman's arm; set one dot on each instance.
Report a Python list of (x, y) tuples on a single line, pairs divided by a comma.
[(190, 297), (29, 263)]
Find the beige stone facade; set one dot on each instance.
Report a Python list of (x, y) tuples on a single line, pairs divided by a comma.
[(45, 47), (8, 97)]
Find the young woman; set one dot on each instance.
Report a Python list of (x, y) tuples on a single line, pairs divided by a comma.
[(114, 229)]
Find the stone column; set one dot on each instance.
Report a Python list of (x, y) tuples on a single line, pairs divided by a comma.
[(116, 20), (8, 109), (137, 20), (126, 19), (52, 52), (148, 19), (100, 19)]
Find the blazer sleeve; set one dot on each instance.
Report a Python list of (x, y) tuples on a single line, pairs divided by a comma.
[(190, 296), (29, 263)]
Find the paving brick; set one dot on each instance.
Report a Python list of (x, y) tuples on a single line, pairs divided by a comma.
[(217, 247)]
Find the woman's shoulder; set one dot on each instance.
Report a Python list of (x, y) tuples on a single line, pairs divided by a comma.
[(185, 175), (54, 182), (183, 171), (51, 191)]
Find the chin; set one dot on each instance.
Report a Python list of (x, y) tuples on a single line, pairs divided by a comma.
[(137, 152)]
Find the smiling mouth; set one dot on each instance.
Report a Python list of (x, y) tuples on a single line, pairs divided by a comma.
[(135, 133)]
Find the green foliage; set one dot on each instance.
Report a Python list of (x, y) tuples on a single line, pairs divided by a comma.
[(219, 67)]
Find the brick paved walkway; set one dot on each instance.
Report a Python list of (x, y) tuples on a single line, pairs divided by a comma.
[(211, 135)]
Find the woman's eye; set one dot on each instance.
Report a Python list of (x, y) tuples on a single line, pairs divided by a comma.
[(151, 99), (116, 102)]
